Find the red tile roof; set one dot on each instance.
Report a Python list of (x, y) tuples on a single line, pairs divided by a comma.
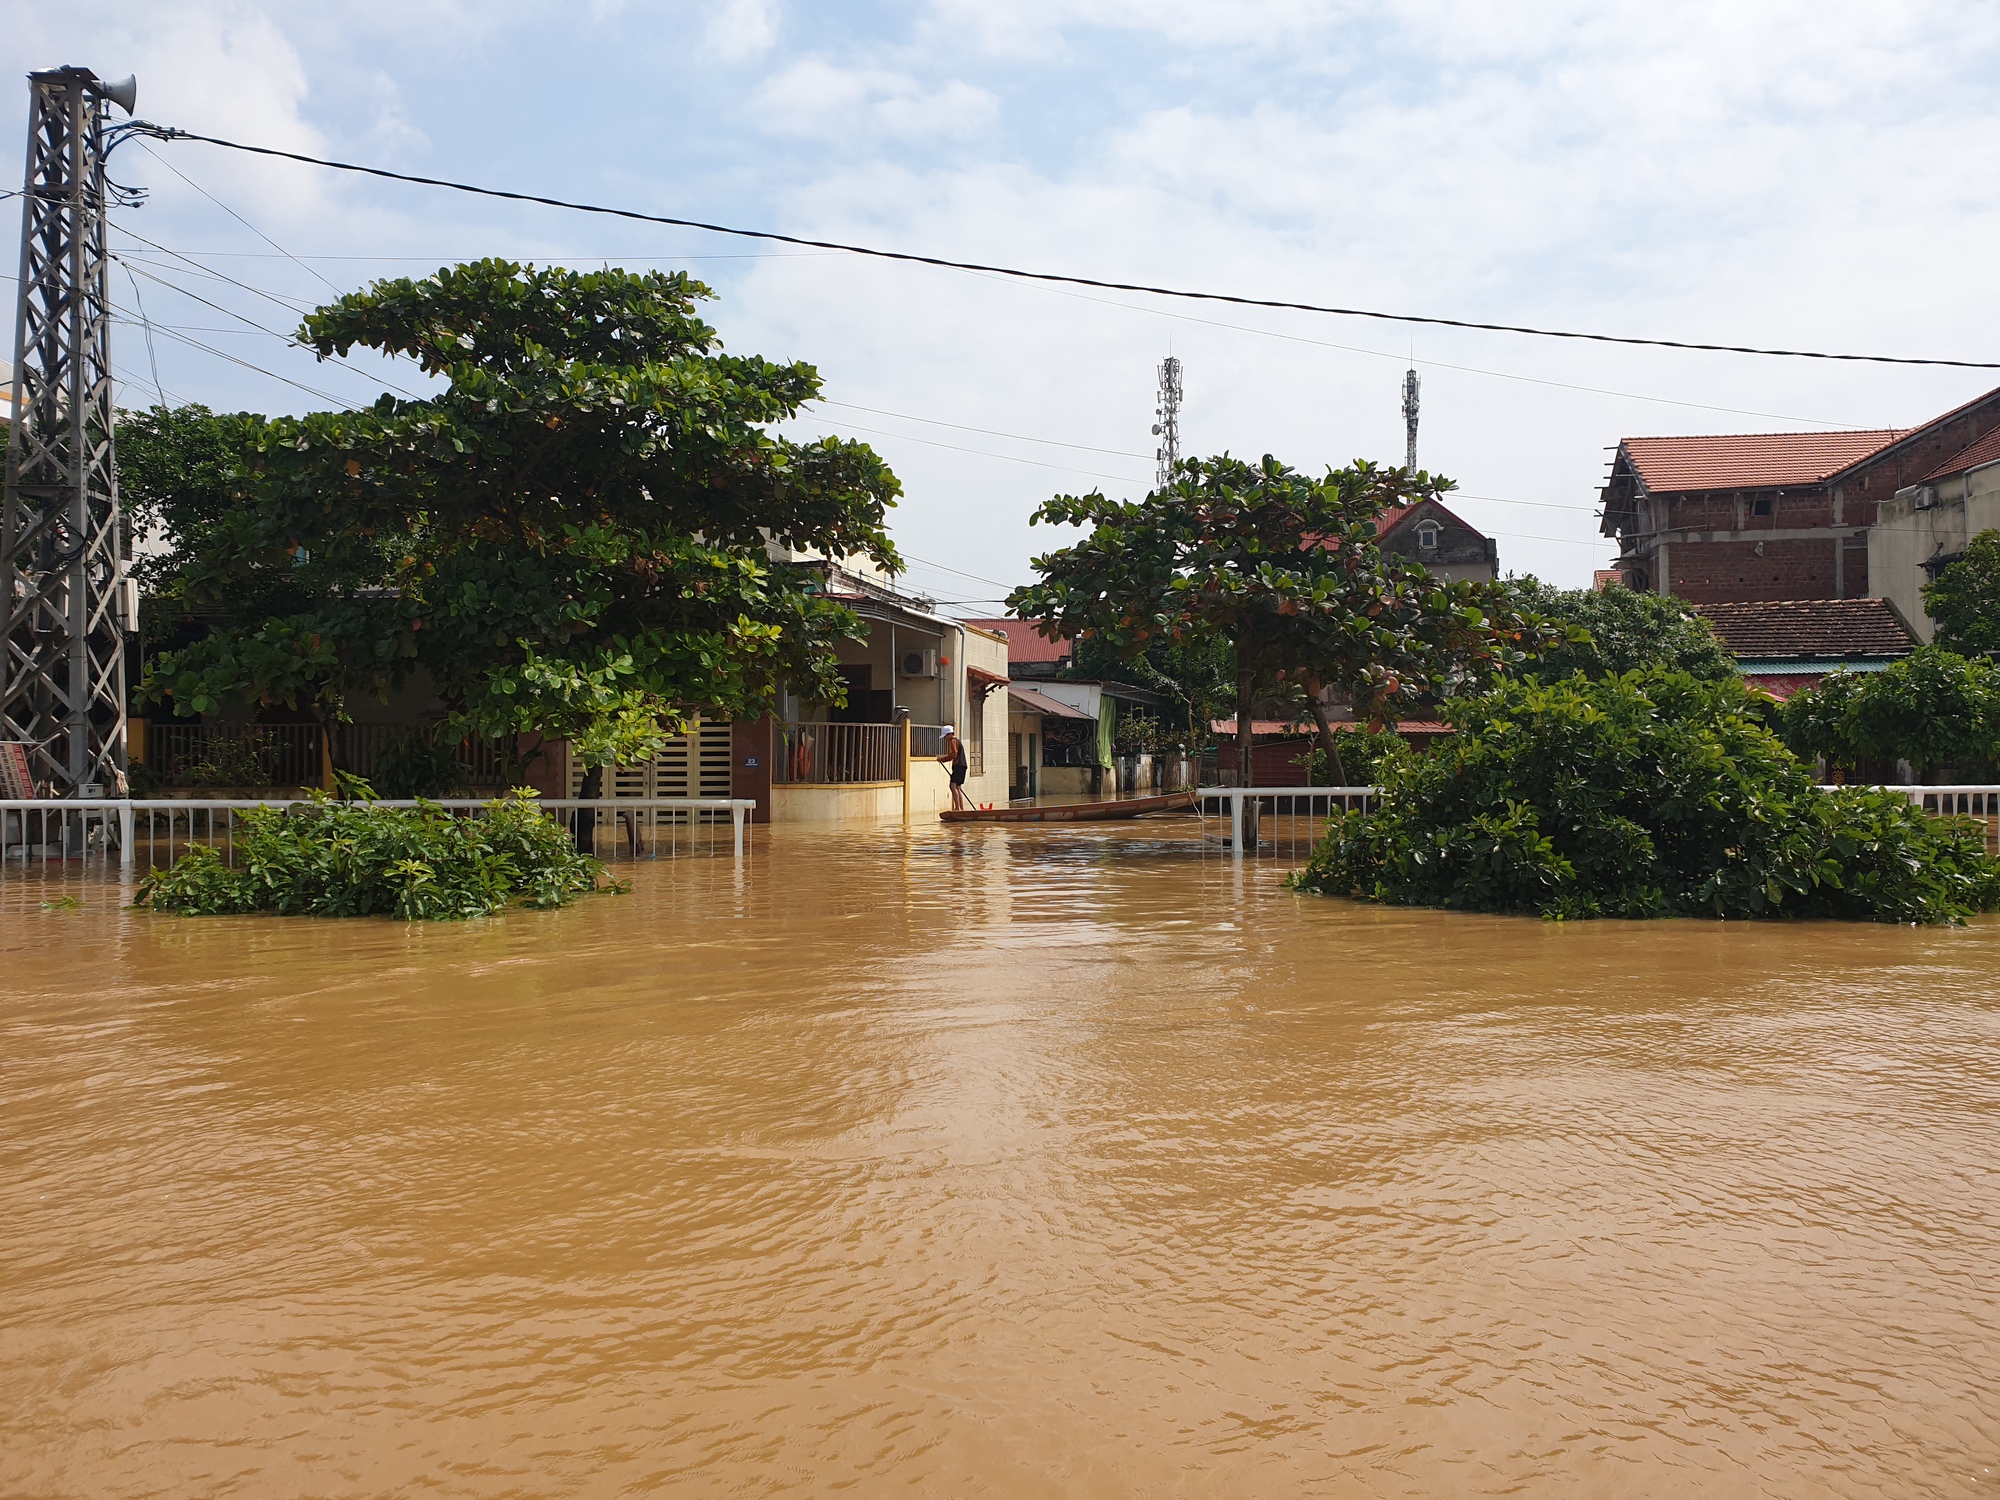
[(1024, 642), (1390, 519), (1749, 460), (1985, 451), (1803, 629)]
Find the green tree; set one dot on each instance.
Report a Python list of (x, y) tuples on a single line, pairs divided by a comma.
[(1285, 568), (1651, 794), (1964, 599), (569, 537), (1935, 709), (1622, 631), (175, 467), (1197, 675)]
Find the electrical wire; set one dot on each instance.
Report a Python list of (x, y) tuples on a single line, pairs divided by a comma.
[(173, 333), (235, 215), (982, 453), (988, 431), (145, 322), (165, 133), (274, 333), (1434, 364)]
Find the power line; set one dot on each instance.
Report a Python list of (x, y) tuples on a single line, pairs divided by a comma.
[(982, 453), (1435, 364), (290, 342), (165, 133), (234, 215), (988, 431), (152, 354)]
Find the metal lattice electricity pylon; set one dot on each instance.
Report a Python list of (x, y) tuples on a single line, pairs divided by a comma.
[(1168, 428), (63, 558), (1410, 419)]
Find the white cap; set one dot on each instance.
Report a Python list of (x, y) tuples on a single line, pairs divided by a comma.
[(949, 730)]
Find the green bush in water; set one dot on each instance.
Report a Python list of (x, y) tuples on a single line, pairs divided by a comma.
[(1651, 794), (323, 858)]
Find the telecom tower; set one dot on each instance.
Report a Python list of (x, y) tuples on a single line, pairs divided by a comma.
[(66, 603), (1168, 428), (1410, 419)]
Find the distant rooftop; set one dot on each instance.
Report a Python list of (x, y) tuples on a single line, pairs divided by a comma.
[(1809, 629), (1025, 643), (1749, 460), (1985, 451)]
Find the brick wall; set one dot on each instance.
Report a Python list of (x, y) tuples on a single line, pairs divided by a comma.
[(1874, 480), (1733, 572)]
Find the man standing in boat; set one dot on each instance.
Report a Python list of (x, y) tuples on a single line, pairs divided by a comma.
[(951, 752)]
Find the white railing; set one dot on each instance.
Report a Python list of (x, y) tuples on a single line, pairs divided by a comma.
[(87, 829), (1289, 819), (1981, 802)]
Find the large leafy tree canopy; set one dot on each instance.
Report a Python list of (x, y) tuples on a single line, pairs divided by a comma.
[(1284, 567), (1650, 794), (1964, 599), (570, 537), (1935, 709), (175, 470), (1623, 631)]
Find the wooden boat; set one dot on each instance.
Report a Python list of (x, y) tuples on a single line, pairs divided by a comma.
[(1074, 812)]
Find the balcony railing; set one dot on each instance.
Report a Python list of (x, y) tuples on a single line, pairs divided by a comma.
[(838, 754)]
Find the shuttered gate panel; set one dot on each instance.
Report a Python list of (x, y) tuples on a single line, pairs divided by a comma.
[(696, 764)]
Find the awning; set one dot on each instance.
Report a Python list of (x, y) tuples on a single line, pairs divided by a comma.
[(1031, 702), (983, 681)]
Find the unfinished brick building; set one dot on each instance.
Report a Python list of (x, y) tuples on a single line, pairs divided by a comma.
[(1780, 515)]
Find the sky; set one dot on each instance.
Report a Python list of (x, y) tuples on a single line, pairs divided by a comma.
[(1810, 175)]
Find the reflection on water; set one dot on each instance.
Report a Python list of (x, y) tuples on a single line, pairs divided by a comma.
[(1017, 1161)]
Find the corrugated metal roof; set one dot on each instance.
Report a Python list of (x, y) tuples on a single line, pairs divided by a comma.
[(1749, 460), (1809, 629), (1024, 642), (1040, 703)]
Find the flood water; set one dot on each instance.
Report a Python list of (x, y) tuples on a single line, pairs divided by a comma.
[(993, 1161)]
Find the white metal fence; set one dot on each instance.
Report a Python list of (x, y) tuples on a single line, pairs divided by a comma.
[(1282, 821), (1287, 822), (147, 834)]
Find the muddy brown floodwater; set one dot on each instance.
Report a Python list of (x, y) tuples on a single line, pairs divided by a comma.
[(1019, 1162)]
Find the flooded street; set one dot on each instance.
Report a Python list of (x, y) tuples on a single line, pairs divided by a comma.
[(1012, 1161)]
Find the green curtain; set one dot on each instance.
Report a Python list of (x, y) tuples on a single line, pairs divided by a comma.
[(1107, 725)]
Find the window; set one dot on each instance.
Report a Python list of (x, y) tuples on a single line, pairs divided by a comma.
[(1427, 536), (1760, 507)]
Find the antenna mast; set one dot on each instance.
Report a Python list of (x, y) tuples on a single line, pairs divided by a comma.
[(1410, 419), (1168, 428), (65, 600)]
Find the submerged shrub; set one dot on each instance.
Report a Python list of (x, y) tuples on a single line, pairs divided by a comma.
[(1652, 794), (324, 858)]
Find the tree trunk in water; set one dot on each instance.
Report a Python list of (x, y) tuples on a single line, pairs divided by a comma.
[(1246, 731), (1329, 742), (586, 817)]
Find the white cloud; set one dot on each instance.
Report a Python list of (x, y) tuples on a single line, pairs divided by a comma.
[(743, 28), (1811, 174), (819, 98)]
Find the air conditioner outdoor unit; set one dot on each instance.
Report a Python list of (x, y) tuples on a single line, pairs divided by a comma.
[(920, 663), (1924, 499)]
